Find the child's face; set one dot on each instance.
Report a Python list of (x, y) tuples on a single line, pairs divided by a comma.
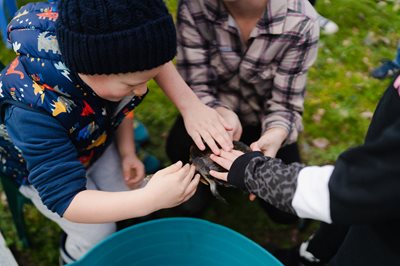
[(114, 87)]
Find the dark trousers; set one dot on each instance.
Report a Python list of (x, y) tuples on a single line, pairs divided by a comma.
[(312, 2), (178, 137), (327, 241)]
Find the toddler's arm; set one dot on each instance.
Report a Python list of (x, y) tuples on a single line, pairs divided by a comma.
[(167, 188), (59, 177), (132, 167)]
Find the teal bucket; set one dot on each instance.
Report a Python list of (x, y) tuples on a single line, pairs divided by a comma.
[(177, 241)]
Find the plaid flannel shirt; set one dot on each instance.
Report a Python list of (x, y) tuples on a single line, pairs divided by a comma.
[(263, 81)]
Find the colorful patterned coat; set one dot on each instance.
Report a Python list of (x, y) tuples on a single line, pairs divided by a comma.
[(37, 79)]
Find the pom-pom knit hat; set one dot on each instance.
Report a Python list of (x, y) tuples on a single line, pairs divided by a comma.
[(115, 36)]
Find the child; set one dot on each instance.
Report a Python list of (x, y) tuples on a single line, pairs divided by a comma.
[(65, 98), (359, 194)]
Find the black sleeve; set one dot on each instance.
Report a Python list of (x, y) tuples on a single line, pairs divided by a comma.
[(237, 171), (268, 178), (365, 185)]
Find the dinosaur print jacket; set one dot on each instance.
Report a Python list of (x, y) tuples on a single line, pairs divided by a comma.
[(37, 80)]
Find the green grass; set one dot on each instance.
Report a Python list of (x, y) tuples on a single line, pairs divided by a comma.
[(339, 94)]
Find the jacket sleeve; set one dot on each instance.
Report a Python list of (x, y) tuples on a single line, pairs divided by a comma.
[(365, 185), (268, 178), (52, 160)]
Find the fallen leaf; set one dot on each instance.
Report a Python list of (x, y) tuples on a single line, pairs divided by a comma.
[(318, 115), (367, 114), (320, 143)]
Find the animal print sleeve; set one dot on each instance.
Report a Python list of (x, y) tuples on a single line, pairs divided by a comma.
[(273, 181)]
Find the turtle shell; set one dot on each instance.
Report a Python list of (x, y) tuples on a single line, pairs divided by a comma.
[(203, 163)]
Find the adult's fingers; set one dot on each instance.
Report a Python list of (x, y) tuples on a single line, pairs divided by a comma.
[(223, 138), (224, 134), (196, 137), (254, 146), (209, 140), (224, 123)]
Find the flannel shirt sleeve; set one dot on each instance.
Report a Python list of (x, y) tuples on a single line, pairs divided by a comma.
[(285, 107), (193, 54)]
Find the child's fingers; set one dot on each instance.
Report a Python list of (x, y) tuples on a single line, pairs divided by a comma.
[(219, 175), (231, 155), (189, 175), (181, 173), (237, 153), (192, 187), (140, 173), (252, 197), (171, 169), (225, 163), (189, 196)]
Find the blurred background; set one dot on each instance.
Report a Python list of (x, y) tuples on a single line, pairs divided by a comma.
[(341, 97)]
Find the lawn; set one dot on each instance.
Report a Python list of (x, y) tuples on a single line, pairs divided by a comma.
[(339, 102)]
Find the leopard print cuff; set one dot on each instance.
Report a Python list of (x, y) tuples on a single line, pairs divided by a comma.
[(273, 181)]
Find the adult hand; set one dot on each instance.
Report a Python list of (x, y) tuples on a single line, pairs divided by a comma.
[(270, 142), (133, 170), (205, 124), (173, 185), (233, 121), (225, 159)]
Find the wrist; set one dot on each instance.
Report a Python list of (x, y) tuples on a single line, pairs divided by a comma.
[(189, 105), (152, 203), (236, 175), (128, 154), (279, 134)]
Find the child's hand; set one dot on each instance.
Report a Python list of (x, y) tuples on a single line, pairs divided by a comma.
[(133, 170), (173, 185), (225, 159), (205, 124)]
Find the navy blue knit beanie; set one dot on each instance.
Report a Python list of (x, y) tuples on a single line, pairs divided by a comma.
[(115, 36)]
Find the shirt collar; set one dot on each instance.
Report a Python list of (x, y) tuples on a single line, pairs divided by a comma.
[(274, 16), (272, 21)]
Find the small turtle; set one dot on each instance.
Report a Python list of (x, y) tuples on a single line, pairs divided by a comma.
[(203, 163)]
